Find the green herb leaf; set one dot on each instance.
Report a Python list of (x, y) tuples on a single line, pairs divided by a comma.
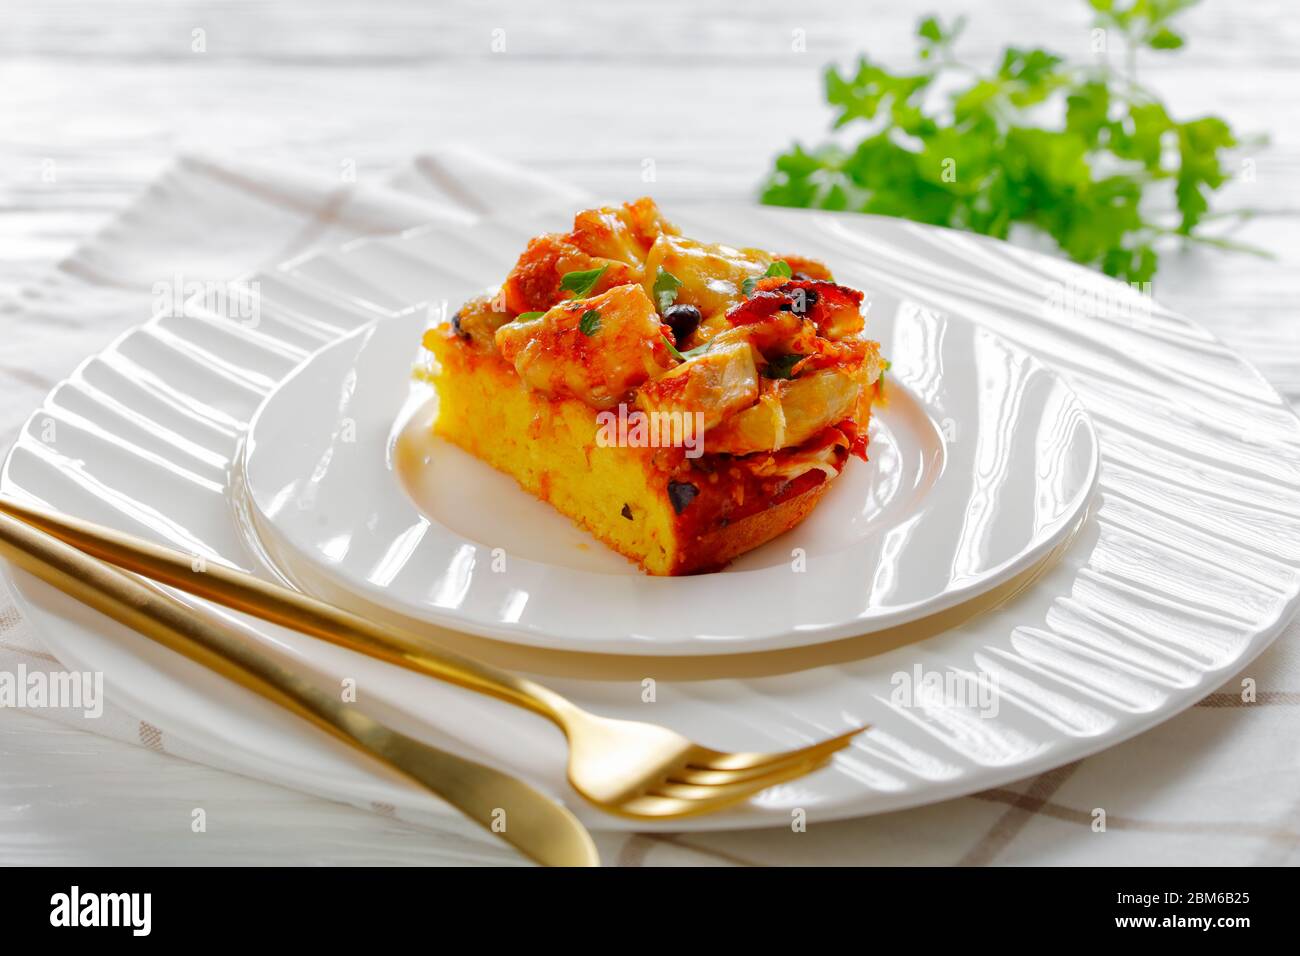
[(929, 29), (589, 324), (665, 288), (689, 353), (994, 152), (528, 316), (782, 366), (1165, 39), (935, 37), (581, 283), (779, 268)]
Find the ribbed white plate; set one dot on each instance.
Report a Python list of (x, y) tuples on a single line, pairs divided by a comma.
[(1183, 570), (974, 475)]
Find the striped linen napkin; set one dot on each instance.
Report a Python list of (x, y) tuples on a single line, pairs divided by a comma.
[(1220, 784)]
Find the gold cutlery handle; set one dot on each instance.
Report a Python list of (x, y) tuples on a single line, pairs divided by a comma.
[(280, 605), (536, 825)]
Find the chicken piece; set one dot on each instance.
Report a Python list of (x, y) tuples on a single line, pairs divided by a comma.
[(789, 412), (624, 233), (617, 238), (721, 381), (646, 221), (597, 361), (603, 234), (805, 268), (534, 283), (711, 275), (477, 322), (778, 334)]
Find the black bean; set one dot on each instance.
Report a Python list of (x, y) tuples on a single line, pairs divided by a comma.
[(681, 494), (683, 320)]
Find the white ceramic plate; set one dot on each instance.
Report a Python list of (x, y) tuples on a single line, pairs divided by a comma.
[(1184, 569), (975, 474)]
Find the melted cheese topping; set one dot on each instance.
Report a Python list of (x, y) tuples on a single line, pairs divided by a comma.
[(712, 276), (620, 349), (807, 324)]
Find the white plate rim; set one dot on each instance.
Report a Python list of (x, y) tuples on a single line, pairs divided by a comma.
[(765, 627)]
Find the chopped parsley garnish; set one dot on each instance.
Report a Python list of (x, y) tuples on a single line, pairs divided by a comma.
[(589, 324), (581, 283), (689, 353), (783, 366), (779, 268), (528, 316), (665, 288)]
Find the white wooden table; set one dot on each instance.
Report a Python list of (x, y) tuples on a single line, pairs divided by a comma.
[(97, 98)]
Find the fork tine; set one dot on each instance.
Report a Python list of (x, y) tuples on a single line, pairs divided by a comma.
[(686, 791), (693, 772), (680, 800), (703, 759), (681, 788), (721, 790)]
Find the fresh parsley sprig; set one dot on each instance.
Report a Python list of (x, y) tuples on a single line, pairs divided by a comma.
[(589, 324), (987, 156)]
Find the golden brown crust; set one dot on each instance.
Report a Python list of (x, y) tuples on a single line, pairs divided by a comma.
[(713, 550)]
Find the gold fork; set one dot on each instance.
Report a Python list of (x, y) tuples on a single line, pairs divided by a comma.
[(629, 768), (510, 809)]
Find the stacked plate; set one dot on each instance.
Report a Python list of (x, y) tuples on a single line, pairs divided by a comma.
[(1081, 513)]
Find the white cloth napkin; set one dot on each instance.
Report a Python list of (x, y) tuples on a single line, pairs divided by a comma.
[(1215, 785)]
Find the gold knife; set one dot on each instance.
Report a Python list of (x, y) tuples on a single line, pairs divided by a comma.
[(510, 809)]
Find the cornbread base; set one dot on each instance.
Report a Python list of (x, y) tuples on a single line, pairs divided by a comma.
[(549, 447)]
